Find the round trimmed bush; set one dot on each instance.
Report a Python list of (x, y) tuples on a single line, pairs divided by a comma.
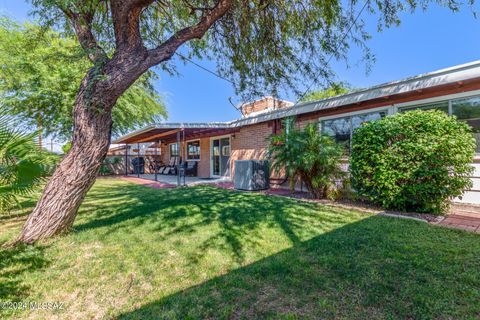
[(413, 161)]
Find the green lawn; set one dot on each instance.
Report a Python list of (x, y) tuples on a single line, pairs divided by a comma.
[(203, 252)]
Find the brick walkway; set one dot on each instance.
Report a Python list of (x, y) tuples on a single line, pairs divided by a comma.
[(461, 217)]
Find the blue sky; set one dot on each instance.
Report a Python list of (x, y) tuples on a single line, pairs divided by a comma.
[(425, 41)]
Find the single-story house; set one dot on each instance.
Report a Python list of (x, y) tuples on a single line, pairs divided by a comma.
[(215, 146)]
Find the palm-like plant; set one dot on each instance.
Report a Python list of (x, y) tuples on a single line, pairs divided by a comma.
[(307, 154), (22, 165)]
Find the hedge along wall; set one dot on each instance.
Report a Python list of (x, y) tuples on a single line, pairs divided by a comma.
[(415, 161)]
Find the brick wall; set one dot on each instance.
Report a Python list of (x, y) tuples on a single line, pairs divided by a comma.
[(204, 164), (263, 104), (250, 143), (165, 153)]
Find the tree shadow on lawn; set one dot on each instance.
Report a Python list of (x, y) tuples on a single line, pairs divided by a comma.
[(237, 217), (14, 263), (21, 210), (376, 268)]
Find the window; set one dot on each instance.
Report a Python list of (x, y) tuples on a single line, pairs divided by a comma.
[(342, 129), (442, 106), (226, 151), (174, 150), (468, 110), (339, 129), (193, 150)]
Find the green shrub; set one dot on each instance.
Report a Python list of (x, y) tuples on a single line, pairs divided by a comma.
[(308, 155), (23, 167), (416, 161), (105, 168)]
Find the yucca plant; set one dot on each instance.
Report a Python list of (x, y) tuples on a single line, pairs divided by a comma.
[(307, 154), (22, 165)]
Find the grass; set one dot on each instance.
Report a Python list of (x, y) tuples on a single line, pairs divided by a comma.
[(203, 252)]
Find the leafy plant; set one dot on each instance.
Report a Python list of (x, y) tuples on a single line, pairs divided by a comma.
[(108, 165), (66, 147), (309, 155), (22, 165), (416, 160), (105, 169)]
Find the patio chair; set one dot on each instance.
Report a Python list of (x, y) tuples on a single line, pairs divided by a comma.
[(163, 168), (191, 169), (172, 166)]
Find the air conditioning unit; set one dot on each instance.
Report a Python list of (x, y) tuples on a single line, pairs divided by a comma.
[(251, 175)]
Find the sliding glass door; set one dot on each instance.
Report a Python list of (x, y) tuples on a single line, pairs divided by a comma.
[(221, 157)]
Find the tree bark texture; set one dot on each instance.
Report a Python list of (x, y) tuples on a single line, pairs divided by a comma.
[(56, 210)]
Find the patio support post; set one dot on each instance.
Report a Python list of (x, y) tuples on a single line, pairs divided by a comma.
[(179, 155), (157, 144), (138, 160), (126, 159)]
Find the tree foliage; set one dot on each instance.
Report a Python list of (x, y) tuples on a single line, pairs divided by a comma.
[(308, 155), (262, 46), (333, 90), (416, 160), (40, 76)]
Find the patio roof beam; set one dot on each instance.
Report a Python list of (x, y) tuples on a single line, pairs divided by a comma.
[(211, 134), (159, 135)]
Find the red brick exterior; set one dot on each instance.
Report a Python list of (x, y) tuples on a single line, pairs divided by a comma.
[(164, 153), (250, 143), (204, 163)]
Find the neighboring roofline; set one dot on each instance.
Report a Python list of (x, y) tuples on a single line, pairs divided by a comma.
[(436, 78), (243, 104)]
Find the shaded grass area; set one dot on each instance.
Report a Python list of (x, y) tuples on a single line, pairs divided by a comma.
[(203, 252)]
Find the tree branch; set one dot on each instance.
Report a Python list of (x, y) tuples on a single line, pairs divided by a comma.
[(126, 23), (165, 51), (83, 29)]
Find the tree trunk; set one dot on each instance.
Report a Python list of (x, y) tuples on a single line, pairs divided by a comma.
[(317, 193), (76, 173)]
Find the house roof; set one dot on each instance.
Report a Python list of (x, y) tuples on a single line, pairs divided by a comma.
[(432, 79), (441, 77)]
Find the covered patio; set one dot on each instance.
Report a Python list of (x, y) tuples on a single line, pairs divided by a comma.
[(176, 153)]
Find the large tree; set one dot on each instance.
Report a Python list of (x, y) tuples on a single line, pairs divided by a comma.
[(261, 45), (39, 78)]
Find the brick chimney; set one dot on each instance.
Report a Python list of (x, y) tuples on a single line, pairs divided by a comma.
[(262, 105)]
